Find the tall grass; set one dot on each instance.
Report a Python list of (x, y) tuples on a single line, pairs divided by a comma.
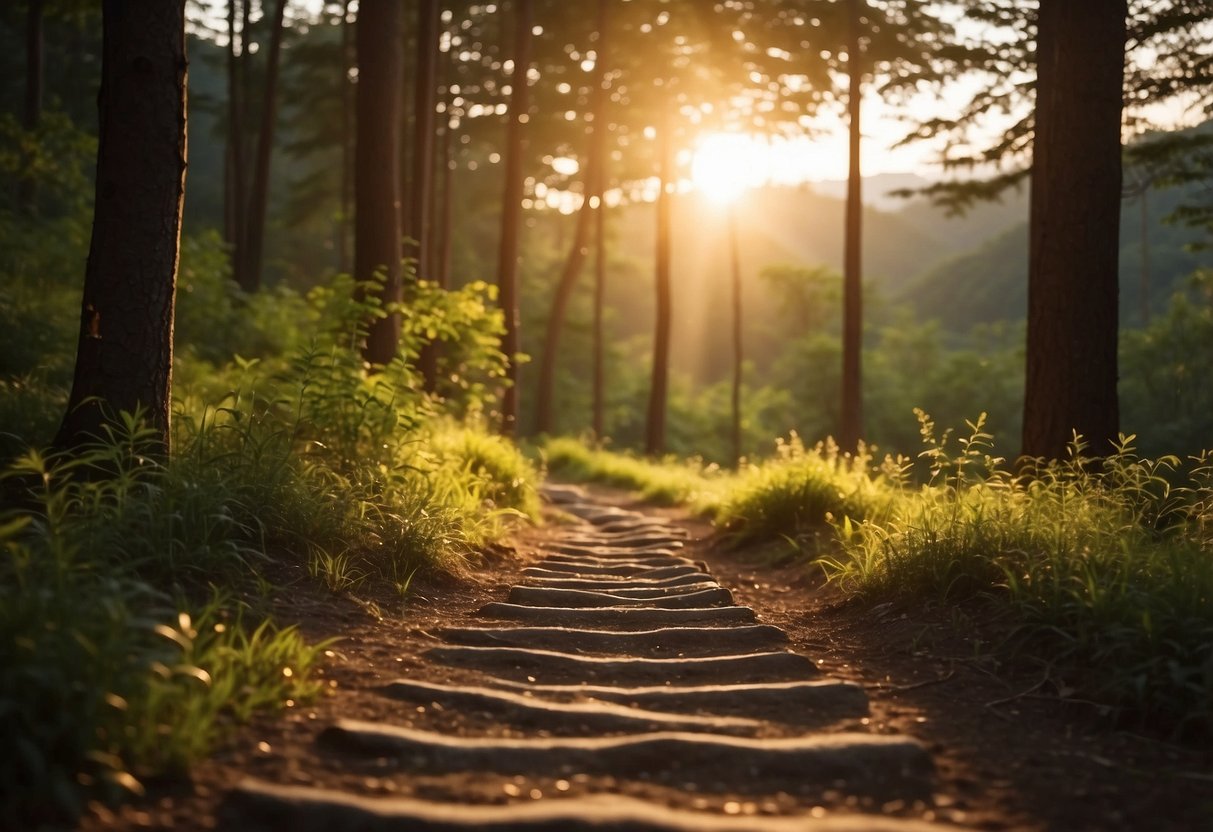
[(1104, 567), (669, 482), (133, 625)]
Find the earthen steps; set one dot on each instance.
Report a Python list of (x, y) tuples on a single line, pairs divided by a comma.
[(661, 643)]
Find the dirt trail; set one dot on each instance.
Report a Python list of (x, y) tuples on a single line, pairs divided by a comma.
[(601, 676), (623, 686)]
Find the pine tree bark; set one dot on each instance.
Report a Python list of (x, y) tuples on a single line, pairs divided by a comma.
[(34, 83), (347, 140), (235, 193), (546, 392), (1074, 228), (511, 210), (259, 193), (421, 198), (654, 442), (738, 344), (443, 232), (377, 249), (125, 352), (851, 427)]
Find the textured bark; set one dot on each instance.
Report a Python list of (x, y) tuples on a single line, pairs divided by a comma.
[(546, 392), (511, 211), (34, 83), (442, 236), (738, 346), (1074, 228), (347, 140), (851, 427), (377, 248), (654, 442), (235, 184), (421, 197), (598, 393), (250, 278), (125, 352)]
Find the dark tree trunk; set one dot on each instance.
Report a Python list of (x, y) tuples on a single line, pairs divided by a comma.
[(598, 151), (259, 195), (376, 167), (738, 346), (851, 427), (546, 393), (32, 116), (1074, 228), (511, 211), (347, 140), (421, 198), (124, 357), (442, 236), (1145, 254), (654, 443), (235, 185)]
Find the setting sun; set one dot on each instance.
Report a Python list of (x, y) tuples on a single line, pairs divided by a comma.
[(724, 165)]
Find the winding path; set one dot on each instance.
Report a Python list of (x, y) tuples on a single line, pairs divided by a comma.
[(619, 660)]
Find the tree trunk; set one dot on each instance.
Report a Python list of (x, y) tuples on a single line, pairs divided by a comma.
[(851, 428), (546, 393), (259, 196), (442, 237), (1145, 253), (1074, 226), (235, 198), (124, 357), (421, 198), (654, 443), (511, 211), (347, 141), (422, 183), (377, 249), (34, 82), (738, 351), (598, 151)]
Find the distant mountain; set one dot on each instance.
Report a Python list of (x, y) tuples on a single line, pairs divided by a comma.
[(877, 189)]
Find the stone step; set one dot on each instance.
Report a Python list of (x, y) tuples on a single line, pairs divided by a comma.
[(878, 767), (547, 667), (622, 571), (639, 592), (618, 582), (617, 617), (260, 807), (573, 544), (555, 597), (608, 531), (558, 493), (809, 704), (667, 642), (529, 713), (593, 548), (650, 561), (598, 514)]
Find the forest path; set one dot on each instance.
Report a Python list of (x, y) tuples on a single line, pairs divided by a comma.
[(616, 686)]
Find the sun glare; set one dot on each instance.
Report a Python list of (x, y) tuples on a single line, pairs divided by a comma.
[(725, 165)]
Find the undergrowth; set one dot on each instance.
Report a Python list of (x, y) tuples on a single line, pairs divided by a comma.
[(133, 590), (1106, 566)]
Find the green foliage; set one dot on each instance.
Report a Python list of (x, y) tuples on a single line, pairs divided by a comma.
[(667, 483), (798, 489), (1105, 567), (119, 660), (1164, 368)]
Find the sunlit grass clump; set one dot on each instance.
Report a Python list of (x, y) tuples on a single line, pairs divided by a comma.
[(668, 483), (801, 488), (1106, 564)]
